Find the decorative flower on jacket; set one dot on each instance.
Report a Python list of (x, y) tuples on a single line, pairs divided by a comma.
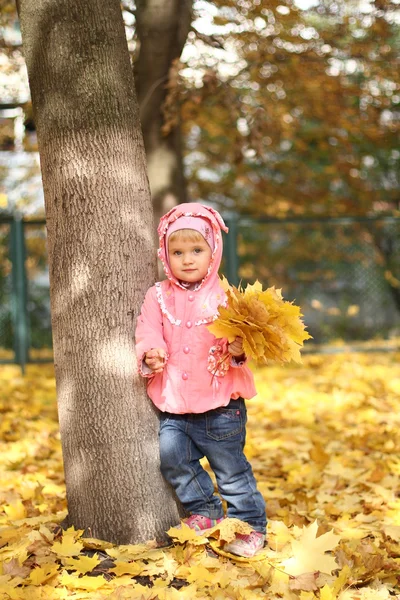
[(218, 361)]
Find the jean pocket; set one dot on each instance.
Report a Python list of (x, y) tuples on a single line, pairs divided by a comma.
[(223, 423)]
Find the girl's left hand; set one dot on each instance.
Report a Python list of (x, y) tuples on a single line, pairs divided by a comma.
[(236, 347)]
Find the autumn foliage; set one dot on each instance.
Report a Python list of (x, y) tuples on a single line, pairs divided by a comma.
[(323, 439), (270, 327)]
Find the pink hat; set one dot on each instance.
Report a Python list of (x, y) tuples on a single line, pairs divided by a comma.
[(200, 224)]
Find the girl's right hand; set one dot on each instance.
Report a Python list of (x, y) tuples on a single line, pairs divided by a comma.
[(155, 359)]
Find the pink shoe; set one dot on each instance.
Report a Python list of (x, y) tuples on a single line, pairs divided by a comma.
[(246, 545), (200, 522)]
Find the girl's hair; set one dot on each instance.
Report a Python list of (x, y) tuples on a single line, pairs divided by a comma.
[(191, 235)]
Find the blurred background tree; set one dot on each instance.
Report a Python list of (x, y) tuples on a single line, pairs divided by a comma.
[(286, 109), (307, 120), (262, 107)]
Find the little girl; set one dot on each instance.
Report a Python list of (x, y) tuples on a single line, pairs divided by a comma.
[(199, 393)]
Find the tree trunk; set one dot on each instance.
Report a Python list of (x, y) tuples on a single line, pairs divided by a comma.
[(162, 29), (101, 261)]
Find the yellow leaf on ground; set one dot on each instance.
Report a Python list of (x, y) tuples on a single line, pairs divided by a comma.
[(278, 535), (184, 534), (86, 582), (15, 569), (83, 564), (327, 593), (200, 574), (95, 544), (392, 531), (41, 574), (15, 511), (305, 582), (68, 546), (309, 552), (127, 568)]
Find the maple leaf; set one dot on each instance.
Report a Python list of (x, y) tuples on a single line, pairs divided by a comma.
[(9, 587), (279, 534), (392, 531), (270, 327), (127, 568), (227, 529), (327, 593), (131, 552), (95, 544), (15, 569), (200, 573), (309, 552), (343, 579), (84, 582), (15, 511), (306, 582), (9, 535), (39, 575), (68, 546), (184, 533), (83, 564), (279, 584)]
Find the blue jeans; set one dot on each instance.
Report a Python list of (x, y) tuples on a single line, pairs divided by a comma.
[(219, 435)]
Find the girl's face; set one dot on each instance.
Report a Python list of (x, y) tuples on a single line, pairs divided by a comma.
[(189, 260)]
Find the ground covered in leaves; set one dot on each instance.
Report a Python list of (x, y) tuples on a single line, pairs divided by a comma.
[(324, 441)]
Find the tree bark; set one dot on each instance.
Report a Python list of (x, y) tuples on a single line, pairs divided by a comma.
[(162, 29), (101, 262)]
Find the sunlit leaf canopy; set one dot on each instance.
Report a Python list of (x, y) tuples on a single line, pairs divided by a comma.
[(305, 117), (286, 107)]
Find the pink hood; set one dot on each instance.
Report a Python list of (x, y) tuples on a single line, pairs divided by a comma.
[(193, 209)]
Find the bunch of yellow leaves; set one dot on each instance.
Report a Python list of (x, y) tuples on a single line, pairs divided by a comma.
[(271, 328)]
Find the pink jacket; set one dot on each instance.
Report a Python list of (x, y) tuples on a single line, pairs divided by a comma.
[(175, 319)]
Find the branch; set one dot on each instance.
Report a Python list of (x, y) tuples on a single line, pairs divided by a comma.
[(210, 40)]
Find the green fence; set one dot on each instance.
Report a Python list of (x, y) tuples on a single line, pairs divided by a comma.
[(343, 272), (25, 328)]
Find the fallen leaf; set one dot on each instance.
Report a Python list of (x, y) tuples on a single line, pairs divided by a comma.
[(184, 533), (127, 568), (40, 575), (83, 564), (306, 582), (68, 546), (15, 569), (309, 552)]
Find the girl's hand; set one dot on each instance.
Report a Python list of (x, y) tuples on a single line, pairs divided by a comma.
[(155, 359), (236, 347)]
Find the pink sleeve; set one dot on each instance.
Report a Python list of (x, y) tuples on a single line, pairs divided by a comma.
[(149, 330)]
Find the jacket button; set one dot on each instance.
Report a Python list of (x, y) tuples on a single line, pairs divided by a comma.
[(188, 324), (185, 376), (191, 297), (186, 349)]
